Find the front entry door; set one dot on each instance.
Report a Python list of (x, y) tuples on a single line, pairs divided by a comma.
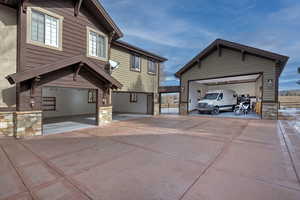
[(150, 104)]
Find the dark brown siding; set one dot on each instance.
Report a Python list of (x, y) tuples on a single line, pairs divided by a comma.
[(74, 34), (73, 44)]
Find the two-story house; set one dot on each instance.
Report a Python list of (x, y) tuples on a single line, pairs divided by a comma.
[(62, 59)]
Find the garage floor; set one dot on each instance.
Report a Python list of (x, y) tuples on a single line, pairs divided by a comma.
[(224, 114), (166, 157), (66, 124)]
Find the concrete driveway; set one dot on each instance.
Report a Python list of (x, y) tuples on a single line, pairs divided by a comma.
[(157, 158)]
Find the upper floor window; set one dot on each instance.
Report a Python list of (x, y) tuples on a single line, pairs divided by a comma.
[(135, 63), (44, 28), (152, 67), (97, 44)]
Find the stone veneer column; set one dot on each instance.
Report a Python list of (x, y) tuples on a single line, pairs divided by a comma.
[(270, 111), (7, 123), (156, 109), (183, 109), (28, 123), (104, 115)]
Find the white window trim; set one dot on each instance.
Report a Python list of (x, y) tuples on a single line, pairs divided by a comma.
[(88, 30), (156, 67), (60, 31), (140, 63)]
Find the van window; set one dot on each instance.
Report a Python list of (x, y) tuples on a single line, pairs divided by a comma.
[(220, 96), (211, 96)]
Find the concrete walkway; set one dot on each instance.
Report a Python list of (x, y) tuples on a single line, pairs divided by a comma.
[(166, 157)]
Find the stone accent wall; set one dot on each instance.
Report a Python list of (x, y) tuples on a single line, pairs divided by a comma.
[(7, 123), (183, 109), (270, 111), (104, 115), (28, 124)]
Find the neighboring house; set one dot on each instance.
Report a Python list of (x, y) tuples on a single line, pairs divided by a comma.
[(228, 65), (55, 56)]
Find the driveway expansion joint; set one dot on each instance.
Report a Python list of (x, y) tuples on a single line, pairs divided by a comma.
[(290, 150)]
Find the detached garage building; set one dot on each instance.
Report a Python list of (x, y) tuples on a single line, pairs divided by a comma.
[(228, 65)]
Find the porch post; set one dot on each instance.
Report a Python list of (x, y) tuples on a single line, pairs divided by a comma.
[(104, 111)]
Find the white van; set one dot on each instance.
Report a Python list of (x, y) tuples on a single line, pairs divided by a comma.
[(216, 100)]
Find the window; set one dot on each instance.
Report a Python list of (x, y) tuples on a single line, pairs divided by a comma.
[(152, 66), (97, 44), (92, 96), (49, 104), (44, 28), (220, 97), (133, 98), (135, 63)]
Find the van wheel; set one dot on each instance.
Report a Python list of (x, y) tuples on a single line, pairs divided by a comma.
[(233, 108), (215, 111)]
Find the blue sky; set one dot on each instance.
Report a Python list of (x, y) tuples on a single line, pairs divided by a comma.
[(178, 30)]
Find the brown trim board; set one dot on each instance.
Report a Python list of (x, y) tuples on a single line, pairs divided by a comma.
[(138, 50)]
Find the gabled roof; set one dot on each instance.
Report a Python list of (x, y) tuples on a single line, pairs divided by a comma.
[(106, 20), (32, 73), (232, 45), (125, 45)]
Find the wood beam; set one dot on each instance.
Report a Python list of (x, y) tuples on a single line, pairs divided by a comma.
[(33, 85), (77, 70), (24, 5), (219, 50), (199, 62), (243, 55), (77, 7)]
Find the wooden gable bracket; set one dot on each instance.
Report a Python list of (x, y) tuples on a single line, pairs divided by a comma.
[(77, 7), (24, 5), (199, 62), (219, 50), (77, 70), (277, 63), (111, 36), (107, 86), (243, 55), (33, 85)]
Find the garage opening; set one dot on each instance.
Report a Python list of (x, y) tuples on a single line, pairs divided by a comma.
[(236, 96), (132, 105), (68, 109)]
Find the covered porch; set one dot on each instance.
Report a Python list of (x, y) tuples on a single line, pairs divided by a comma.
[(69, 94)]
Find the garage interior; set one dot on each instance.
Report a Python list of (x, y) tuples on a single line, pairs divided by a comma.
[(68, 109), (244, 86), (132, 105)]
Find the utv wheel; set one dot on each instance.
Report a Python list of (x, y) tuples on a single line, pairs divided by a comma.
[(215, 111)]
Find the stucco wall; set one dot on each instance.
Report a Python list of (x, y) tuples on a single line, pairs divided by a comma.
[(133, 81), (229, 64), (69, 101), (8, 54), (121, 103)]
